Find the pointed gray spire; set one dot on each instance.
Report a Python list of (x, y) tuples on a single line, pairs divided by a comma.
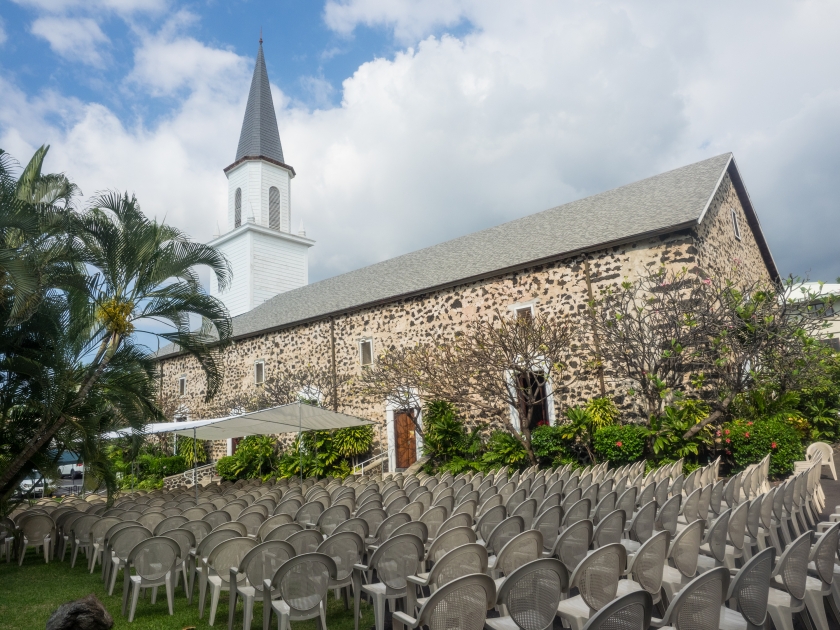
[(259, 136)]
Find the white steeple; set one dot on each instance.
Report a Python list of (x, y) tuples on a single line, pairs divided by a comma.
[(265, 256)]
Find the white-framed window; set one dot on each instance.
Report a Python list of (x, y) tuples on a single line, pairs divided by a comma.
[(526, 312), (365, 352), (259, 371), (736, 226), (182, 385), (523, 309)]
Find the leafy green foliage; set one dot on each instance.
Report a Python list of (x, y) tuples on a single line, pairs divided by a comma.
[(446, 440), (503, 449), (667, 431), (192, 451), (620, 443), (228, 468), (324, 453), (549, 445), (255, 458), (603, 412), (577, 433), (824, 421), (145, 470), (746, 442), (353, 441)]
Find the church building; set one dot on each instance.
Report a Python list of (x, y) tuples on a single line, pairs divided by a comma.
[(697, 215)]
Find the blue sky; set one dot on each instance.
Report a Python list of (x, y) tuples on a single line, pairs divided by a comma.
[(298, 47), (412, 122)]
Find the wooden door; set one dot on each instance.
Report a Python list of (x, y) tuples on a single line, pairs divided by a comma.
[(404, 437)]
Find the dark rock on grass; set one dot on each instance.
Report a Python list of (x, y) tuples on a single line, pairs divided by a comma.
[(87, 613)]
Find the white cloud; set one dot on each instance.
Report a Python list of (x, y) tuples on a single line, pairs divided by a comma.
[(3, 35), (408, 19), (165, 66), (75, 39), (538, 104), (122, 7)]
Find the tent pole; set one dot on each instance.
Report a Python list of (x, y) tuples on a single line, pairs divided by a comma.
[(195, 466), (300, 444)]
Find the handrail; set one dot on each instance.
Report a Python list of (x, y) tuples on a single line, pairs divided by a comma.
[(190, 474), (373, 462)]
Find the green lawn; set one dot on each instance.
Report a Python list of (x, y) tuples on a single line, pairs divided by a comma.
[(30, 593)]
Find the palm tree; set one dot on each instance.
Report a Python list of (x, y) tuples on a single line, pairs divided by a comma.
[(35, 255), (141, 278)]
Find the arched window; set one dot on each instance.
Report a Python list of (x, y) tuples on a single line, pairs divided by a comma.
[(237, 208), (274, 208)]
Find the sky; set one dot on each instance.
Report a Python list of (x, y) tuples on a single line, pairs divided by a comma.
[(410, 122)]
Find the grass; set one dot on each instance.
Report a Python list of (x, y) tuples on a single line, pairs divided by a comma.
[(30, 593)]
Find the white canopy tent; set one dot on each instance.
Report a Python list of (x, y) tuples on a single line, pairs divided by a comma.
[(292, 418)]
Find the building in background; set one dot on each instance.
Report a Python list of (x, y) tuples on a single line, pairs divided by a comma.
[(698, 215)]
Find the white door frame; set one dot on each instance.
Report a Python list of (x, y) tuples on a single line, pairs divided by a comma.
[(548, 402)]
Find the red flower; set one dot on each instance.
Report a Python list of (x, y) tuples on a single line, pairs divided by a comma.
[(618, 444), (749, 424), (726, 431), (747, 434), (773, 445), (727, 440)]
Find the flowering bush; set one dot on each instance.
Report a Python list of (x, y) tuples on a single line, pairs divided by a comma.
[(620, 444), (746, 443)]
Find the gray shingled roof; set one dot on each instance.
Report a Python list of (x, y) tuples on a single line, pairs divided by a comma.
[(259, 135), (668, 201)]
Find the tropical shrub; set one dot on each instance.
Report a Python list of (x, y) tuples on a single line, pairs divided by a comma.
[(161, 467), (620, 443), (602, 411), (353, 441), (446, 441), (324, 453), (255, 458), (746, 442), (577, 433), (667, 431), (192, 451), (228, 468), (549, 445), (503, 449)]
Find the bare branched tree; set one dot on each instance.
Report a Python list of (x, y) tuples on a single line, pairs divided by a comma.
[(650, 330), (491, 367), (756, 329), (690, 334), (312, 384)]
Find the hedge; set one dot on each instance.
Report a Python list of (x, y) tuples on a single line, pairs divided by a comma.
[(748, 442), (620, 443)]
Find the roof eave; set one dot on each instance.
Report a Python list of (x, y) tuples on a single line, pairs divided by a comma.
[(254, 158), (261, 229)]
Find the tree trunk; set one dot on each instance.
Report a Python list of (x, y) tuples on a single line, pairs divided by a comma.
[(27, 453), (525, 427), (24, 456), (708, 419)]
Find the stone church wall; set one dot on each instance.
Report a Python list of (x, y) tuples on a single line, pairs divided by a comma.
[(559, 287)]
